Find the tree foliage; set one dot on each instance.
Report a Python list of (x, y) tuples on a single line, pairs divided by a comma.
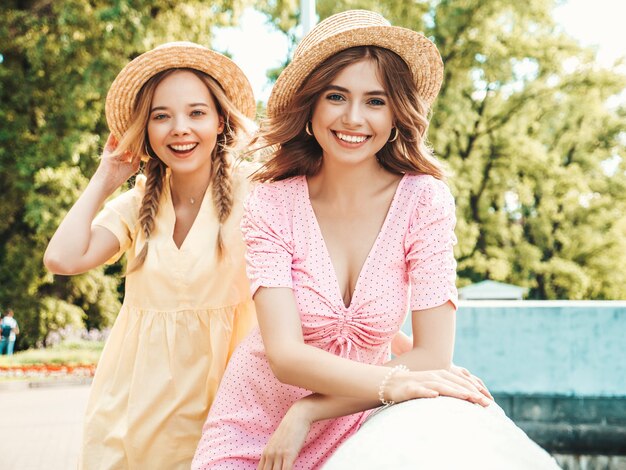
[(524, 121), (58, 60), (534, 143)]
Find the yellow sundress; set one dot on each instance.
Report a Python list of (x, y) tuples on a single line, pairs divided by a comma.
[(183, 314)]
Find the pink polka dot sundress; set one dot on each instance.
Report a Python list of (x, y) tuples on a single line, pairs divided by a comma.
[(410, 266)]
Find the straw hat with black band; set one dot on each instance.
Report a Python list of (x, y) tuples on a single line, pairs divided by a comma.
[(358, 28), (174, 55)]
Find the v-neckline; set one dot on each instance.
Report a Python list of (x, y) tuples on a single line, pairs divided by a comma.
[(372, 249), (170, 203)]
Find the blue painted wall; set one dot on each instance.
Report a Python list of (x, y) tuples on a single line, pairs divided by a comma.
[(544, 347)]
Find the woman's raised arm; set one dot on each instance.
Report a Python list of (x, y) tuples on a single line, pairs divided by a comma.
[(76, 246)]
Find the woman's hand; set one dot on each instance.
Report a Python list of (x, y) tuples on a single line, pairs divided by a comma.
[(403, 386), (76, 246), (472, 378), (283, 448), (113, 171)]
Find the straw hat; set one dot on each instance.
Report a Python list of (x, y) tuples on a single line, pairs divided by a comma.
[(123, 92), (358, 28)]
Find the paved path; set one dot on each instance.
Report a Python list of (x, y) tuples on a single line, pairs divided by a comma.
[(41, 428)]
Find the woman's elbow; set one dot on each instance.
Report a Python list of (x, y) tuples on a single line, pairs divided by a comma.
[(51, 262), (58, 265), (281, 366)]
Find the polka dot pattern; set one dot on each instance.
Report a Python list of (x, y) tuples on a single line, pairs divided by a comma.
[(411, 265)]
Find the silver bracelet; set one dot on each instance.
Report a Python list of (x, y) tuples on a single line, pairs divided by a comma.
[(383, 384)]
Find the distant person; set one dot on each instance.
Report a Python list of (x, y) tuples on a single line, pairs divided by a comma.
[(182, 109), (10, 330)]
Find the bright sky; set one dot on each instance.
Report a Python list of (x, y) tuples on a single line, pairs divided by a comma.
[(597, 23), (256, 46)]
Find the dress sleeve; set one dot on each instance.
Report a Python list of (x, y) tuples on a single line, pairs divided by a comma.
[(429, 248), (120, 216), (267, 233)]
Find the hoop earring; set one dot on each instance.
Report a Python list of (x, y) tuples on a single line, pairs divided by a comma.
[(395, 137), (307, 130)]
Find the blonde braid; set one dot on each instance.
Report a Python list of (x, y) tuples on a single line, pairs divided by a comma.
[(155, 173), (222, 191)]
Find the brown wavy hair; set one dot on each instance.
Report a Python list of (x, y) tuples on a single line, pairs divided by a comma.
[(236, 128), (293, 152)]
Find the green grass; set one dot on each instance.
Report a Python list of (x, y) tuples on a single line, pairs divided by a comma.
[(66, 353)]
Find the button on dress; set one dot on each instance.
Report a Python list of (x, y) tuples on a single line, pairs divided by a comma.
[(410, 267), (184, 312)]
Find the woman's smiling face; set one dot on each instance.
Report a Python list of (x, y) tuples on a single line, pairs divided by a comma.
[(184, 123), (352, 119)]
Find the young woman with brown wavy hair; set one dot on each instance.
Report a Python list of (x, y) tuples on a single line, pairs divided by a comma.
[(351, 227), (301, 154), (183, 110)]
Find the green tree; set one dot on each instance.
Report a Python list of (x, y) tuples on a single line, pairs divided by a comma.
[(57, 60), (533, 142)]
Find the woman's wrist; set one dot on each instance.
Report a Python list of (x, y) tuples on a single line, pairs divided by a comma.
[(102, 185), (305, 409), (396, 374)]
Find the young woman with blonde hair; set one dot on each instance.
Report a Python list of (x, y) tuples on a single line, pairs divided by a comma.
[(183, 109)]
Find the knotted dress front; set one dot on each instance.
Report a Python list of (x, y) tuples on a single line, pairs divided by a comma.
[(410, 266)]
